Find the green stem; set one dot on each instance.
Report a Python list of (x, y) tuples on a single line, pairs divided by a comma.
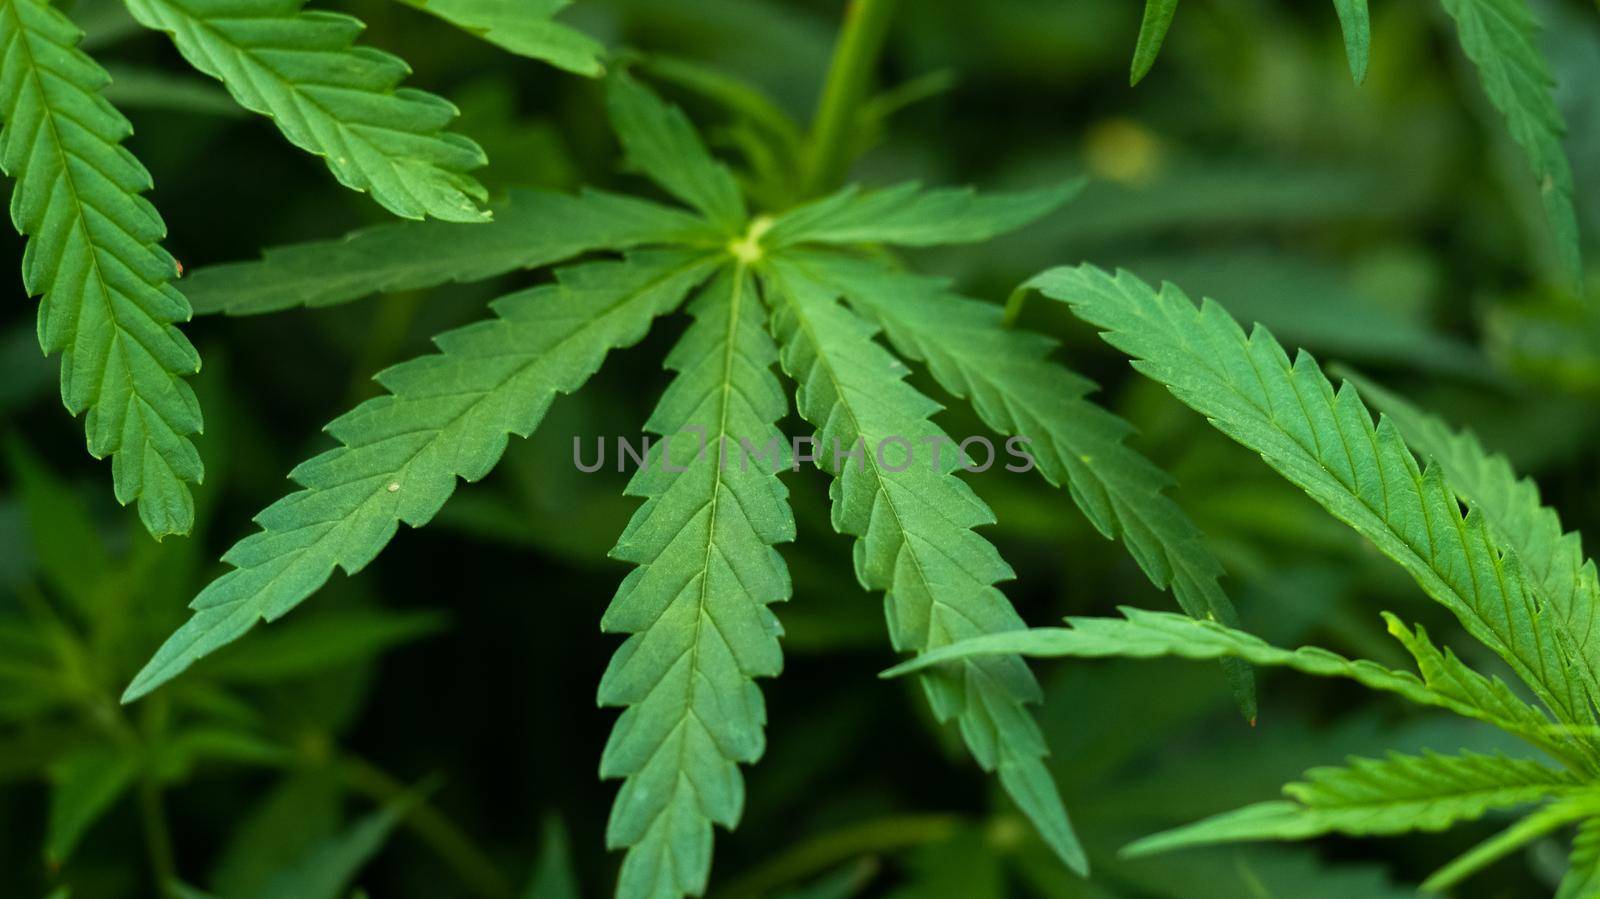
[(475, 868), (830, 144), (148, 735), (1014, 304), (1525, 831), (157, 838)]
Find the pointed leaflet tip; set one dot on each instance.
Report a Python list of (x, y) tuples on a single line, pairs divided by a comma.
[(1152, 32), (1357, 28)]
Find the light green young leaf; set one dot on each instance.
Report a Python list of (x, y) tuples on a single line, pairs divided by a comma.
[(331, 98), (83, 787), (1146, 635), (524, 27), (1582, 880), (94, 258), (447, 415), (910, 216), (1501, 37), (530, 229), (660, 143), (1007, 376), (1518, 518), (1357, 27), (1324, 441), (1399, 794), (1152, 32), (696, 605), (914, 523)]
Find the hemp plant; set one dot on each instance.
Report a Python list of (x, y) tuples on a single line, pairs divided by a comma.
[(796, 296)]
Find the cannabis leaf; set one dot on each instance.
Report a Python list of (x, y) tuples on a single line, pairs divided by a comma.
[(697, 604), (659, 142), (524, 27), (910, 216), (1518, 518), (914, 524), (1446, 683), (530, 229), (1399, 794), (1501, 37), (446, 416), (1017, 390), (94, 258), (1583, 868), (1325, 442), (330, 98)]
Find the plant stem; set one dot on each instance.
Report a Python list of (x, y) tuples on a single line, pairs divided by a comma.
[(157, 839), (1014, 304), (829, 146), (454, 846)]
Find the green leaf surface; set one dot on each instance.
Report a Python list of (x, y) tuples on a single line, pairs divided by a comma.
[(739, 97), (1152, 33), (94, 258), (1540, 822), (660, 143), (1147, 635), (1324, 441), (1398, 794), (1501, 37), (446, 416), (524, 27), (1490, 698), (1357, 27), (1582, 880), (914, 523), (1017, 390), (908, 215), (331, 98), (1519, 519), (530, 229), (696, 605)]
